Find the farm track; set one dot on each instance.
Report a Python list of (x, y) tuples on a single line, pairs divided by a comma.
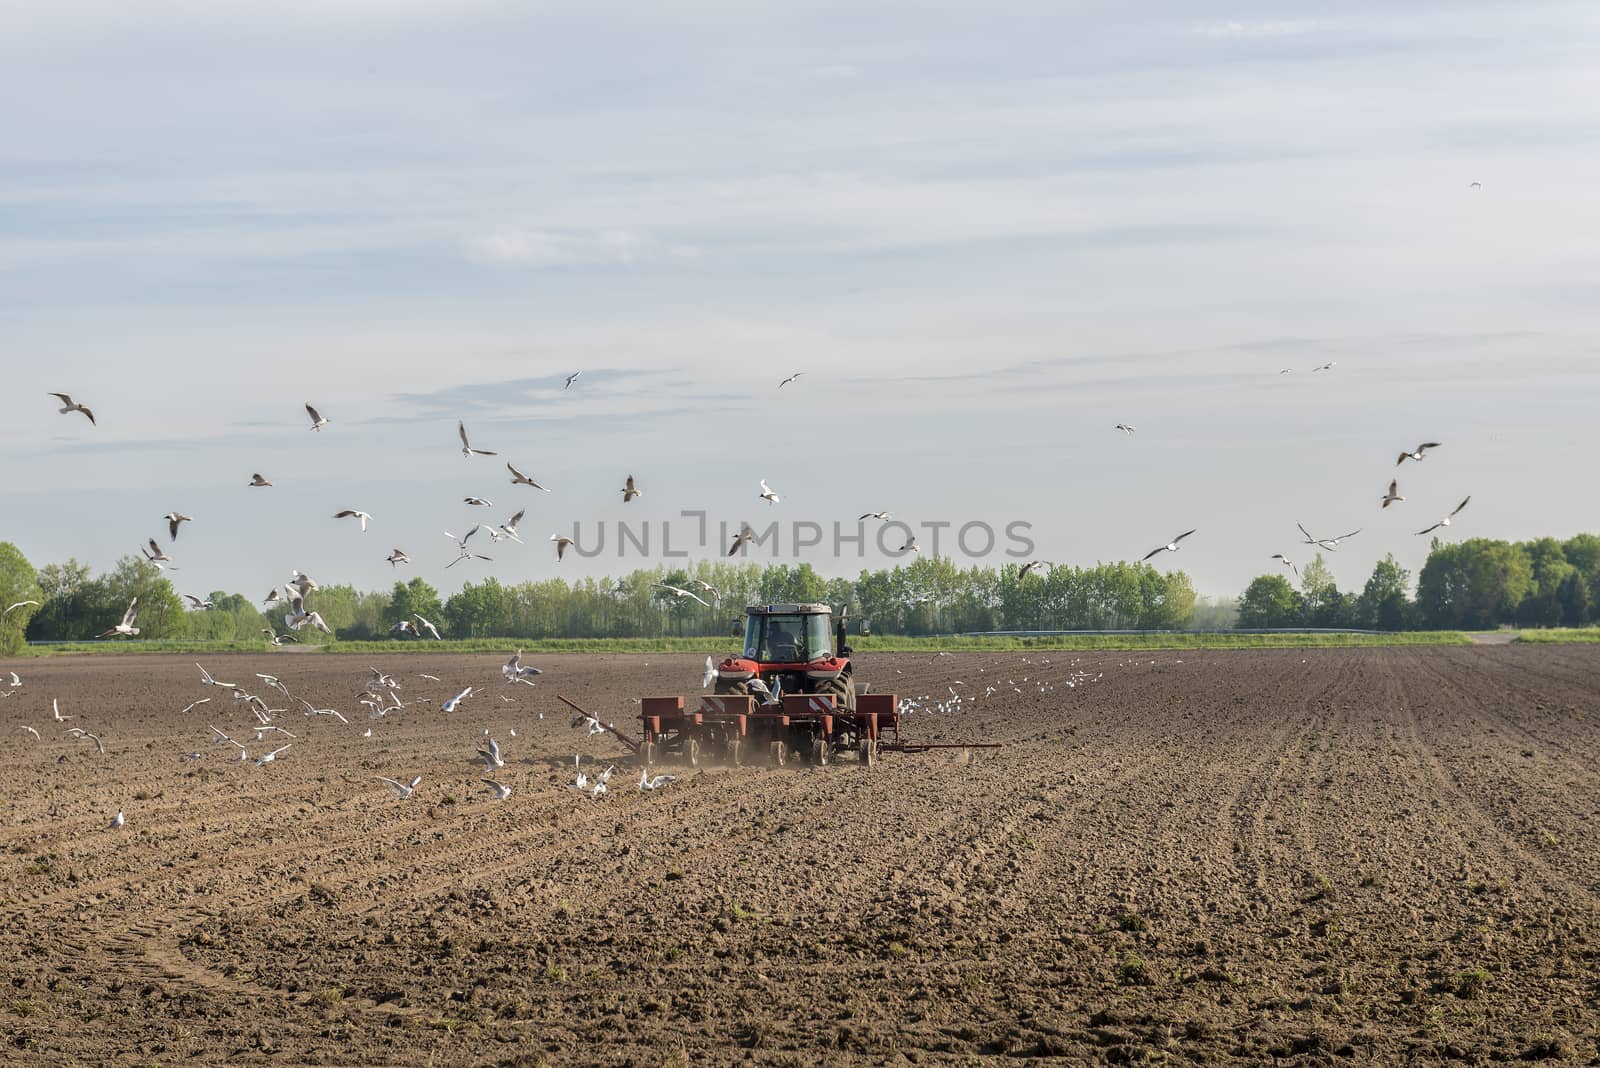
[(1300, 856)]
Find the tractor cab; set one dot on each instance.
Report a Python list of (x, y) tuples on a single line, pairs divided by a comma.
[(797, 648), (789, 634)]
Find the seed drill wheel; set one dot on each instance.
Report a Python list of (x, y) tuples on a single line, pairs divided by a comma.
[(780, 752), (648, 751), (733, 751), (819, 752), (691, 752), (869, 752)]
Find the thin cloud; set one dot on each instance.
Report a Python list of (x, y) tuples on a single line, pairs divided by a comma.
[(1284, 28)]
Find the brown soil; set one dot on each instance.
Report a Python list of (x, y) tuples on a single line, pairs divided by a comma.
[(1386, 856)]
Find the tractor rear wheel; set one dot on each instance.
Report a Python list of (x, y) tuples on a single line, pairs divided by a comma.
[(843, 689)]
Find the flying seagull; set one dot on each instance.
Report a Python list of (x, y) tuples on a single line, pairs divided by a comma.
[(911, 546), (478, 502), (678, 593), (745, 536), (515, 669), (573, 377), (1126, 429), (629, 491), (397, 557), (1169, 547), (263, 761), (1326, 543), (351, 513), (126, 629), (508, 529), (562, 541), (207, 680), (654, 782), (710, 673), (520, 479), (767, 494), (1393, 494), (156, 555), (1446, 520), (450, 705), (1324, 367), (501, 790), (195, 602), (19, 604), (174, 519), (491, 756), (402, 790), (466, 446), (463, 553), (885, 516), (1031, 565), (1475, 185), (317, 422), (73, 406), (1288, 563), (302, 582), (431, 629), (791, 378), (1419, 454), (259, 479)]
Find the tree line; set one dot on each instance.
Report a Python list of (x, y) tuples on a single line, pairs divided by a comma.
[(1477, 584), (927, 596)]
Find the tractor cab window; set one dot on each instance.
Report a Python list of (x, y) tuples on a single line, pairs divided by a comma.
[(819, 638), (787, 639)]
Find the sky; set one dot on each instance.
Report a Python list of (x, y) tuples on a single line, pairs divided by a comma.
[(985, 233)]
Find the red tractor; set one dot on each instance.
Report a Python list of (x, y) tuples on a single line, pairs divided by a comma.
[(792, 648), (792, 690)]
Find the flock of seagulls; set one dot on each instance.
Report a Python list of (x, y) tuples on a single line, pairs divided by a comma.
[(380, 692), (1391, 496)]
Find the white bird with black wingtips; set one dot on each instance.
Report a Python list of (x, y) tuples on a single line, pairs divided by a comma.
[(466, 446), (1446, 520), (520, 479), (125, 629), (352, 513), (402, 790), (1419, 454), (1169, 547), (73, 406)]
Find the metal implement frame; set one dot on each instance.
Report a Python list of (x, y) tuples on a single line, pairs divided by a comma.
[(734, 726)]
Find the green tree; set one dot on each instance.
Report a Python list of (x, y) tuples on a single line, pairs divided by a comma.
[(161, 613), (66, 589), (1475, 584), (415, 598), (1542, 605), (18, 582), (1383, 604), (1270, 601)]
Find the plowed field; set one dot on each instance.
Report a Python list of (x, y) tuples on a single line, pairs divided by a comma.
[(1389, 856)]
